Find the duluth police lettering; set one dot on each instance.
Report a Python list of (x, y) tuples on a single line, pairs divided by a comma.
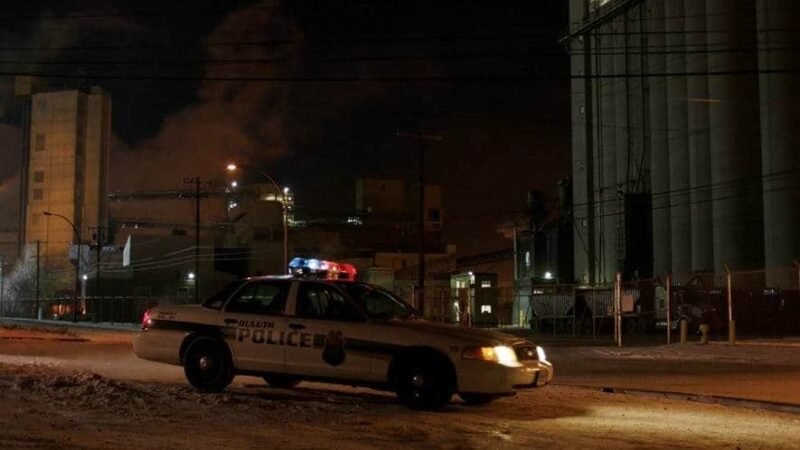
[(271, 336), (255, 324)]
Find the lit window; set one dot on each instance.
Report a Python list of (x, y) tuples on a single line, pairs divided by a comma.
[(38, 176), (527, 260), (486, 283), (38, 194), (39, 142), (486, 309)]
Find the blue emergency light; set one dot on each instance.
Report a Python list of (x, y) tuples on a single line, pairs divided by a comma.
[(316, 268)]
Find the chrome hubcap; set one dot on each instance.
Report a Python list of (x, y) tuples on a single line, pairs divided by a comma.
[(204, 363)]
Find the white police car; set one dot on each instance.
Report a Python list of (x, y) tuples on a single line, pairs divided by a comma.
[(287, 329)]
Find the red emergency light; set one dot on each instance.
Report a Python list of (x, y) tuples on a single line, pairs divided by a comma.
[(327, 270)]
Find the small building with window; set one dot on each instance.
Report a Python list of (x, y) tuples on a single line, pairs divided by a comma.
[(474, 299)]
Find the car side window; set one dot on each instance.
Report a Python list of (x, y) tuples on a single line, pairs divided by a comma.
[(260, 298), (323, 302), (380, 305)]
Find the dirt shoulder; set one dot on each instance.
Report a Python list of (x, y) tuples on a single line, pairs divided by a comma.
[(49, 407), (12, 330)]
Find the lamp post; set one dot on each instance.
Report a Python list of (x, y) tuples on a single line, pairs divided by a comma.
[(234, 167), (77, 263), (2, 275)]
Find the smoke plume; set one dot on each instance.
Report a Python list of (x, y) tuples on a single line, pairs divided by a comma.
[(240, 120)]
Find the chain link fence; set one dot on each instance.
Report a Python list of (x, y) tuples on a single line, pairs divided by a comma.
[(89, 309), (751, 303), (755, 304)]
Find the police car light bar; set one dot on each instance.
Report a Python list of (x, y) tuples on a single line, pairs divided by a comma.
[(327, 270)]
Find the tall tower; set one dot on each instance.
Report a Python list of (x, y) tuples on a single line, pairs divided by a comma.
[(67, 168)]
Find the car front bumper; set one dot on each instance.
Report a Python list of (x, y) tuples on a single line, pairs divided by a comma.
[(481, 377)]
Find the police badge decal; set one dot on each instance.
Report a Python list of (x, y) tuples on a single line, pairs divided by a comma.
[(333, 352)]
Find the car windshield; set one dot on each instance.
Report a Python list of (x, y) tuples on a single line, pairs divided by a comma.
[(378, 303), (217, 300)]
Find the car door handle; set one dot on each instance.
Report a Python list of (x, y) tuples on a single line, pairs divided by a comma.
[(297, 326), (231, 321)]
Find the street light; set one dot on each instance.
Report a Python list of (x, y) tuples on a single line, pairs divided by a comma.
[(282, 192), (77, 262)]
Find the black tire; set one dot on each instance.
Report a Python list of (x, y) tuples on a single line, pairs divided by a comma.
[(585, 327), (207, 364), (424, 384), (641, 326), (281, 381), (477, 399)]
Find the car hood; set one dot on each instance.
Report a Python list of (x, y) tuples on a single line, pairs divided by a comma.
[(462, 334)]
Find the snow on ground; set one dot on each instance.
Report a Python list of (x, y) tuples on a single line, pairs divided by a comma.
[(747, 354), (49, 407), (92, 392)]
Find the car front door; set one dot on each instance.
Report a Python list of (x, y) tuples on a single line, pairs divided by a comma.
[(327, 335), (255, 321)]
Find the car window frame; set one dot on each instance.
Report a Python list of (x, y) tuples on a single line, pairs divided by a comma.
[(293, 311), (396, 298), (286, 289), (239, 285)]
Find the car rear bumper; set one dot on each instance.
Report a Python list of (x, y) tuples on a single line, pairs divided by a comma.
[(160, 346)]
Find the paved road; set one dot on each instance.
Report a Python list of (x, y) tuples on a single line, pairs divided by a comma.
[(748, 372)]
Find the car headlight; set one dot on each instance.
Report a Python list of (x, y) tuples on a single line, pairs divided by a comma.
[(540, 354), (501, 354)]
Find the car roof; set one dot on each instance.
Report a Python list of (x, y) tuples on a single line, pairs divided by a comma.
[(294, 277), (269, 277)]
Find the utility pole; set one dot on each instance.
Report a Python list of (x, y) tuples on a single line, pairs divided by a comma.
[(36, 313), (196, 181), (421, 218), (2, 275), (99, 240), (421, 138)]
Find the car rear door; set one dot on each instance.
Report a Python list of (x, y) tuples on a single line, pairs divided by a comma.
[(329, 336), (256, 324)]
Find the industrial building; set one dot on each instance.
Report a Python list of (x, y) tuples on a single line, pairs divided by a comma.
[(685, 138), (66, 156)]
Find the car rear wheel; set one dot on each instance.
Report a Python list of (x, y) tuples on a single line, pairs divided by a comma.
[(424, 385), (281, 381), (207, 365), (477, 399)]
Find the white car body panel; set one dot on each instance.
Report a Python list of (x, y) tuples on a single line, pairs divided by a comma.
[(346, 352)]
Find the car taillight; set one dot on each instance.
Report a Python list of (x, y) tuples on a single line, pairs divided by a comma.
[(147, 320)]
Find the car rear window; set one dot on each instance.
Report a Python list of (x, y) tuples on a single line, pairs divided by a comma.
[(217, 300)]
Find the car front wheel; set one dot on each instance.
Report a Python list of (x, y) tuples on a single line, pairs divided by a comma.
[(207, 365), (424, 386)]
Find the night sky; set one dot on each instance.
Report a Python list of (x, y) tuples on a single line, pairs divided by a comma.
[(325, 89)]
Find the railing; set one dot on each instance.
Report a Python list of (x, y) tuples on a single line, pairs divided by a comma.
[(90, 309)]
